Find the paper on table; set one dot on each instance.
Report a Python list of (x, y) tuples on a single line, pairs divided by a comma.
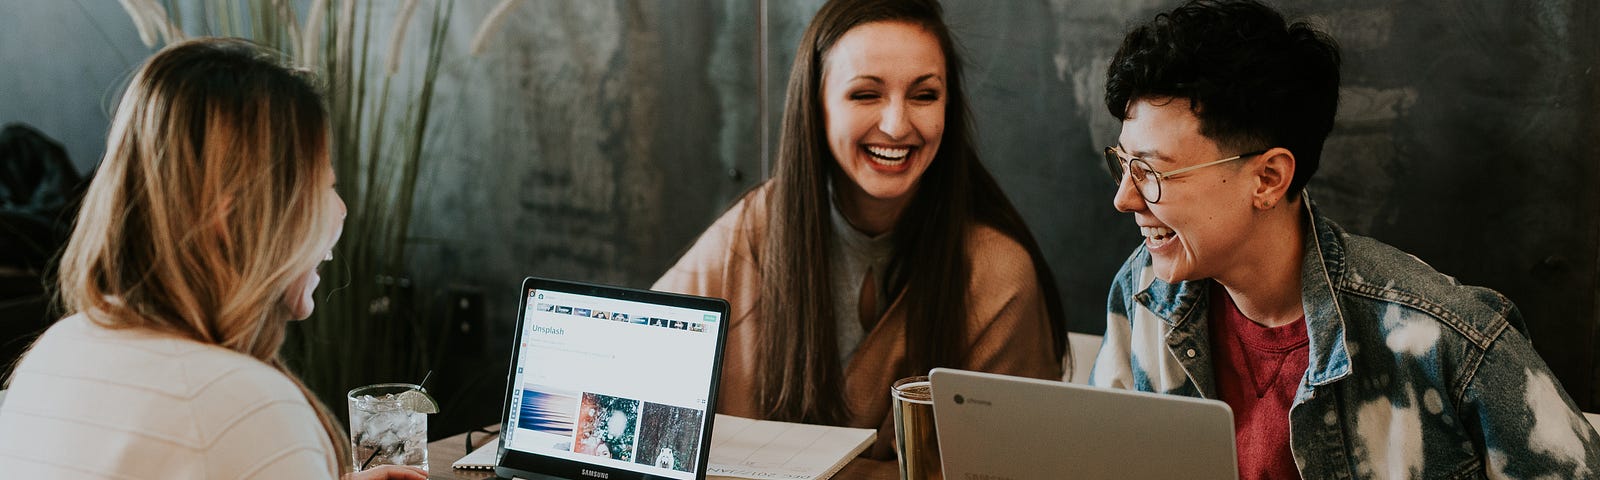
[(761, 449)]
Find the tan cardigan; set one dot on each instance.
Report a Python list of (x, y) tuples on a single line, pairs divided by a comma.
[(1008, 332)]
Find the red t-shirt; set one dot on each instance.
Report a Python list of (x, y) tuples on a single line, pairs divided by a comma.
[(1257, 371)]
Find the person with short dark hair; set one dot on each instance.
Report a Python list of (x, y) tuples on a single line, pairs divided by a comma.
[(1341, 357)]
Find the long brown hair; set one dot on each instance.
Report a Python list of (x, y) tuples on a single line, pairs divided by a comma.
[(210, 202), (800, 370)]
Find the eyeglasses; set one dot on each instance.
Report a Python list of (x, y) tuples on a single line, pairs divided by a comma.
[(1146, 179)]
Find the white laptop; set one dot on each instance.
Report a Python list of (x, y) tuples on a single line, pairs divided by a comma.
[(1011, 428), (610, 383)]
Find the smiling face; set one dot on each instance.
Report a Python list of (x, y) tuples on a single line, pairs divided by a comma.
[(299, 297), (1204, 217), (884, 99)]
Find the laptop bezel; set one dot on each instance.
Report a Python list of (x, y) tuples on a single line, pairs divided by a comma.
[(519, 464)]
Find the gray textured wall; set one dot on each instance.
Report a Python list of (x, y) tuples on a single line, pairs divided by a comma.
[(592, 140), (595, 139), (62, 68)]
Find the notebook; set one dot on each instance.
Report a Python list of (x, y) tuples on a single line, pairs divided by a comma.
[(764, 449), (483, 458), (997, 426), (610, 383)]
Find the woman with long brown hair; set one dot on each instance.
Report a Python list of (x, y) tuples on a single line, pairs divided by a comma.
[(197, 241), (881, 247)]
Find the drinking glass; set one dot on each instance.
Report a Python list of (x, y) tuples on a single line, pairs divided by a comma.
[(916, 443), (384, 430)]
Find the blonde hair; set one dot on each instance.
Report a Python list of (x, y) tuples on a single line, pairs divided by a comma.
[(210, 203)]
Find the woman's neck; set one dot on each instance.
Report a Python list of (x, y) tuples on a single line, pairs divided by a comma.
[(867, 214)]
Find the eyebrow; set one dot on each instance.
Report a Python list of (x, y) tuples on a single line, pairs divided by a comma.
[(1146, 154), (876, 79)]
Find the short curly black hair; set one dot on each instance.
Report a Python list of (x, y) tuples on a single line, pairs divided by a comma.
[(1254, 80)]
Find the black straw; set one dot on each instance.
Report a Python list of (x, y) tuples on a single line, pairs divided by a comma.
[(369, 459)]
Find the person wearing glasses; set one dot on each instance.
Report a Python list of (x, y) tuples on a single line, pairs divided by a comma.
[(1341, 357)]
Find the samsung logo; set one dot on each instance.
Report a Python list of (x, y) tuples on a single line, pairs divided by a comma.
[(591, 473)]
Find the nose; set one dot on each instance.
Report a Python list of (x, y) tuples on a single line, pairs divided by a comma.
[(893, 122), (1128, 198)]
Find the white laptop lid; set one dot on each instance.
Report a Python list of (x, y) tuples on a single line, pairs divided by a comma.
[(611, 383), (1003, 427)]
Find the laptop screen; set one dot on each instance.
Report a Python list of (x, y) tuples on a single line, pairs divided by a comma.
[(621, 382)]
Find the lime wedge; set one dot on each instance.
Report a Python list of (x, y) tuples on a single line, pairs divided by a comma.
[(418, 401)]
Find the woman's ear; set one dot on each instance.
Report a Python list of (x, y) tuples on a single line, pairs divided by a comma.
[(1275, 173)]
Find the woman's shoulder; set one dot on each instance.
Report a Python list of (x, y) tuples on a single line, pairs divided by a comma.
[(118, 387), (745, 219), (180, 370), (996, 256), (87, 346), (749, 211), (730, 241)]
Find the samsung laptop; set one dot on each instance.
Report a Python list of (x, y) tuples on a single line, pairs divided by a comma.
[(610, 383), (998, 427)]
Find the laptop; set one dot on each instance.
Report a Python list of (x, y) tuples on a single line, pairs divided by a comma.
[(1003, 427), (610, 383)]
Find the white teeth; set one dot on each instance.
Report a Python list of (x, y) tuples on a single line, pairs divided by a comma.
[(1156, 233), (889, 155)]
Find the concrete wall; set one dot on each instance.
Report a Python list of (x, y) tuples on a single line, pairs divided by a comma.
[(62, 69)]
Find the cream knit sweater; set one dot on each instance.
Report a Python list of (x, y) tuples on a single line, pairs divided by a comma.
[(90, 402)]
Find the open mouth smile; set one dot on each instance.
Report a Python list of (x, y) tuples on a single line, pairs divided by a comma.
[(1157, 237), (888, 156)]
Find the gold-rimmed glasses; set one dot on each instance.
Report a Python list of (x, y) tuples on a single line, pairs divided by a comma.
[(1147, 179)]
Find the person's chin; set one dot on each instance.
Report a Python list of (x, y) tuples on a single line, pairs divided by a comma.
[(301, 309), (1169, 271), (302, 313), (889, 189)]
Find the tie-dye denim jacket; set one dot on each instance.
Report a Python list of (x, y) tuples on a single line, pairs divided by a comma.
[(1411, 374)]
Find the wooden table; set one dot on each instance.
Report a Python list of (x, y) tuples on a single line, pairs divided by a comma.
[(445, 451)]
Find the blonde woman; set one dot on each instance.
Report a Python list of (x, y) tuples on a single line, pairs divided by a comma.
[(198, 241)]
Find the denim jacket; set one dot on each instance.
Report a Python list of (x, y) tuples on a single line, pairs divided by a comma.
[(1411, 374)]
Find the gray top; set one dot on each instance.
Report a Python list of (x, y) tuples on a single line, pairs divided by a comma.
[(851, 255)]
